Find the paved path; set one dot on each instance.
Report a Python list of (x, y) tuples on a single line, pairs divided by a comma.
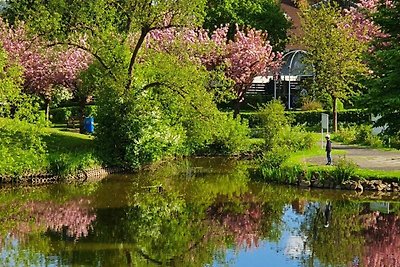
[(366, 158)]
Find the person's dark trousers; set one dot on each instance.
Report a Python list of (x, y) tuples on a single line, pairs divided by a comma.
[(328, 157)]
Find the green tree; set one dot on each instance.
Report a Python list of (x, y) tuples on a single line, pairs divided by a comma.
[(383, 95), (334, 51), (10, 84), (263, 15), (13, 102)]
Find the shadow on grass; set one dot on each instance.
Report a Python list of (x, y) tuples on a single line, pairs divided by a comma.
[(67, 142)]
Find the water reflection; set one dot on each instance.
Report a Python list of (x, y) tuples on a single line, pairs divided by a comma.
[(202, 212)]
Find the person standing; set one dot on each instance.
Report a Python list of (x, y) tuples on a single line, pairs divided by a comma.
[(328, 149)]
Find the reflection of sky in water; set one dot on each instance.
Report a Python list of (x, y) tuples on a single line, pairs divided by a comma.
[(286, 252), (12, 256)]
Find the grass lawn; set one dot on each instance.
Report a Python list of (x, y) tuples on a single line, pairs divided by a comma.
[(69, 151)]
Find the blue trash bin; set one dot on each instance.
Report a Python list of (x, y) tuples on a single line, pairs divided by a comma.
[(89, 124)]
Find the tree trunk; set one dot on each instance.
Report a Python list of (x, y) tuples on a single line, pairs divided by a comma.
[(81, 115), (239, 100), (335, 128), (237, 106), (47, 103), (128, 257)]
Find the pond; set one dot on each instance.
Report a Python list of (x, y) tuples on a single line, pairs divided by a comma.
[(197, 212)]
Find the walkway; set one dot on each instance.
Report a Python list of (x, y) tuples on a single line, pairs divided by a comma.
[(366, 158)]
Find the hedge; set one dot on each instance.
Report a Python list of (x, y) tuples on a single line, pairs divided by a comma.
[(62, 115), (313, 118)]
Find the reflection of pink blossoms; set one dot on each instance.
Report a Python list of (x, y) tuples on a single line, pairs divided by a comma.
[(244, 226), (382, 241), (74, 216)]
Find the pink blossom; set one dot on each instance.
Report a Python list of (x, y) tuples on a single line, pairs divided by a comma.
[(44, 66)]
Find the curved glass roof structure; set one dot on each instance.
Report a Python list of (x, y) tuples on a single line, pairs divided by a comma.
[(294, 64)]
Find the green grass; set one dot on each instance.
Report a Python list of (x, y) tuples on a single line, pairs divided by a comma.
[(316, 150), (378, 174), (69, 152)]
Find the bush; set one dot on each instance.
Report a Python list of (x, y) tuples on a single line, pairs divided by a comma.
[(273, 159), (296, 139), (309, 104), (313, 118), (359, 134), (274, 123), (22, 150), (346, 135), (252, 118), (230, 136), (277, 132), (344, 170), (273, 169), (64, 164)]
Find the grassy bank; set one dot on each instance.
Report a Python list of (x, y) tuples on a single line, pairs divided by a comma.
[(69, 152), (27, 149)]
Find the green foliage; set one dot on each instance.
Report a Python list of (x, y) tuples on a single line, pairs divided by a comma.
[(273, 159), (168, 113), (277, 132), (296, 138), (334, 51), (359, 134), (22, 150), (346, 135), (259, 14), (30, 149), (230, 136), (344, 170), (274, 123), (383, 84), (273, 169), (312, 118), (13, 102), (10, 84), (310, 104)]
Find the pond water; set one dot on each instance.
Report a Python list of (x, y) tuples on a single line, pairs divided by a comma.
[(198, 212)]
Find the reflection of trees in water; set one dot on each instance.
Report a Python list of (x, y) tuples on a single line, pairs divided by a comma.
[(382, 237), (356, 236), (72, 218), (241, 219), (21, 240), (339, 243)]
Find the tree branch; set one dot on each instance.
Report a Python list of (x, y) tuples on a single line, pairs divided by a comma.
[(144, 31), (182, 93), (99, 59)]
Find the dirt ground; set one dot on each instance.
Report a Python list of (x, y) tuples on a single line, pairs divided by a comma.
[(365, 158)]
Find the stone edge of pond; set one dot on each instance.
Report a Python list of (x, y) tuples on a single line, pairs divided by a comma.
[(88, 175), (355, 185)]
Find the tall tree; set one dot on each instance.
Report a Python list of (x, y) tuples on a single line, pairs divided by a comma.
[(334, 51), (383, 94), (265, 15)]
